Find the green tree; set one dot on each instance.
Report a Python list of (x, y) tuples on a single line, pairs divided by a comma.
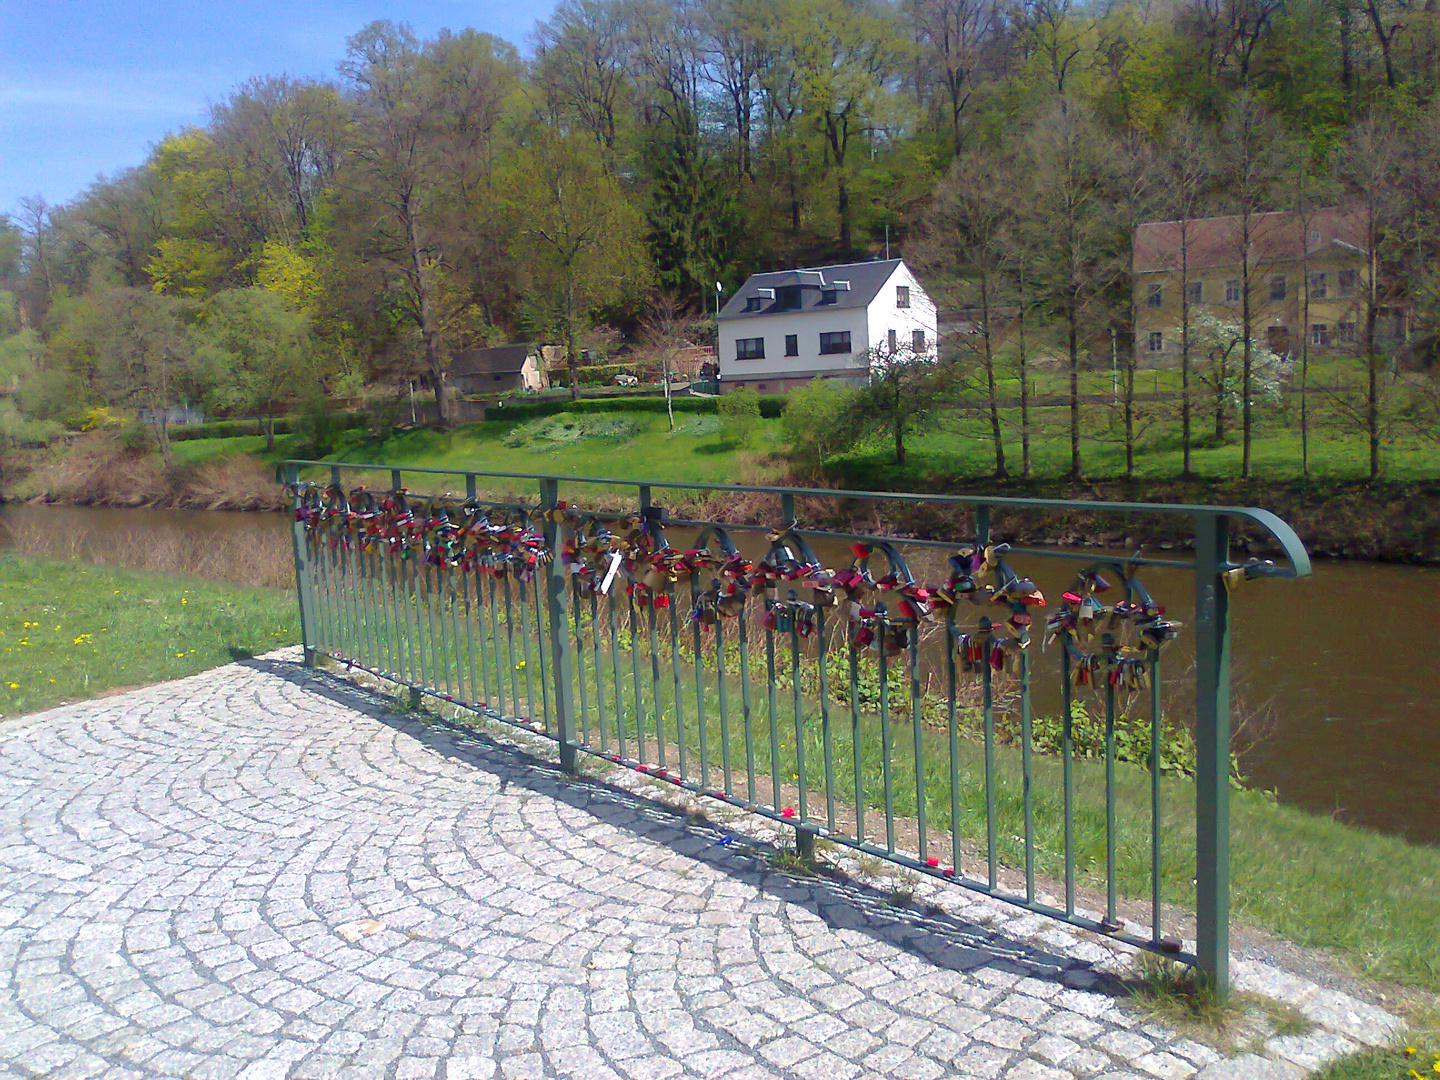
[(579, 243), (255, 349)]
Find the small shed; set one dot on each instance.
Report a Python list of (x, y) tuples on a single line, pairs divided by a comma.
[(502, 369)]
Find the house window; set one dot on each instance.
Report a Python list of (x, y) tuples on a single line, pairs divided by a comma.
[(1345, 333), (1277, 287), (917, 340), (1195, 291), (1319, 334), (1319, 286), (1156, 341), (831, 344), (1345, 281), (1154, 296), (787, 298), (792, 344), (750, 348), (827, 296), (1232, 291), (891, 342), (752, 303), (902, 295)]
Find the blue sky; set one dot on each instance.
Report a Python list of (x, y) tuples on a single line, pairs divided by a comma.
[(87, 86)]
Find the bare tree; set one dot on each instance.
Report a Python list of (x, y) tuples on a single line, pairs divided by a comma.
[(954, 34), (1066, 161), (1249, 165)]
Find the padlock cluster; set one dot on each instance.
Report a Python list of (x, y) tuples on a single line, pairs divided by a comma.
[(884, 607), (1124, 636), (491, 541)]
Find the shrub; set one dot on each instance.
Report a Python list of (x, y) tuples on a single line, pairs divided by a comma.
[(818, 421), (739, 415)]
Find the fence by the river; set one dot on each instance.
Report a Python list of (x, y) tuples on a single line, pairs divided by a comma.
[(835, 693)]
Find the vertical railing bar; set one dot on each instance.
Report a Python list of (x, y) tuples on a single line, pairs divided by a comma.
[(987, 685), (1110, 825), (656, 698), (745, 707), (1212, 756), (702, 722), (954, 733), (883, 663), (495, 650), (678, 691), (826, 734), (1067, 754), (510, 663), (1155, 733), (615, 665), (437, 605), (477, 693), (560, 661), (722, 691), (1027, 775), (523, 603), (773, 706), (801, 779), (456, 650), (855, 749), (635, 679), (299, 541), (576, 612), (599, 673), (917, 725)]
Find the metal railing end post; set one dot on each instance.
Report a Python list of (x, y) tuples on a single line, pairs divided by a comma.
[(1212, 758), (561, 650)]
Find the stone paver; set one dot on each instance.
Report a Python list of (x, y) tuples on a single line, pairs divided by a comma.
[(258, 872)]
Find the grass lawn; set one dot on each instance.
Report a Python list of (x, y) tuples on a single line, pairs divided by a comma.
[(71, 631), (956, 445), (628, 446)]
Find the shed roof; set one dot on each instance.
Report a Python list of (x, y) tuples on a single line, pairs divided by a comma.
[(1277, 236), (866, 280), (500, 360)]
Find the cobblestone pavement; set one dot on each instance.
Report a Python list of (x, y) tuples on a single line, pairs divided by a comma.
[(259, 872)]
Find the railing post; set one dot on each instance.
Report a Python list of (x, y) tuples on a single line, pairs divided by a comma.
[(301, 550), (556, 581), (1212, 746)]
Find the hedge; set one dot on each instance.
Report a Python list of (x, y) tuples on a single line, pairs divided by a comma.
[(284, 425)]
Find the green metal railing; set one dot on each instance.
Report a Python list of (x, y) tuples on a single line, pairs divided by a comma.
[(837, 695)]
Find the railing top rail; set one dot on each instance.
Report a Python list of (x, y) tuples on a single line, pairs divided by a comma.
[(1284, 535)]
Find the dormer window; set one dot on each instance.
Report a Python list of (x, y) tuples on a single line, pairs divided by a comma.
[(752, 303), (902, 296), (787, 298), (827, 296)]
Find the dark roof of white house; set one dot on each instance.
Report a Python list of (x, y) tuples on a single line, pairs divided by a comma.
[(814, 283)]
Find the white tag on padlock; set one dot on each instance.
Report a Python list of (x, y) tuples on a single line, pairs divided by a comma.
[(610, 574)]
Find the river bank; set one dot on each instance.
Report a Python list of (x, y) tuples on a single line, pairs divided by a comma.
[(1385, 521)]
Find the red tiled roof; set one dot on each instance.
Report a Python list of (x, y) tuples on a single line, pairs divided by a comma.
[(1274, 237)]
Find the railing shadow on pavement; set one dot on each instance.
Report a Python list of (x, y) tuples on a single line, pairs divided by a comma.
[(934, 935)]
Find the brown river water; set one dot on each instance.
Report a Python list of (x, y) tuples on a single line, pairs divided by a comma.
[(1341, 671)]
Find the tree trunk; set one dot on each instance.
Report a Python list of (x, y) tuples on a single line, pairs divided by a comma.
[(842, 204), (1246, 359), (1185, 439), (270, 431), (429, 333), (899, 441), (1024, 389), (1073, 333), (996, 436)]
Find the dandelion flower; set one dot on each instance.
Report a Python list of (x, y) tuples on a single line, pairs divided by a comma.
[(14, 686)]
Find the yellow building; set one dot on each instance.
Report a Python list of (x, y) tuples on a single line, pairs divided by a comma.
[(1305, 276)]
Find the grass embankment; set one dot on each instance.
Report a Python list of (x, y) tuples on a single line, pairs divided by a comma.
[(618, 445), (70, 631)]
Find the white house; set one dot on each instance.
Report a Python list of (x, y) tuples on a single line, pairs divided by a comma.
[(785, 328)]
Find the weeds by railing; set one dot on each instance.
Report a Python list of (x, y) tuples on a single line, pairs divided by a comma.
[(848, 700)]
